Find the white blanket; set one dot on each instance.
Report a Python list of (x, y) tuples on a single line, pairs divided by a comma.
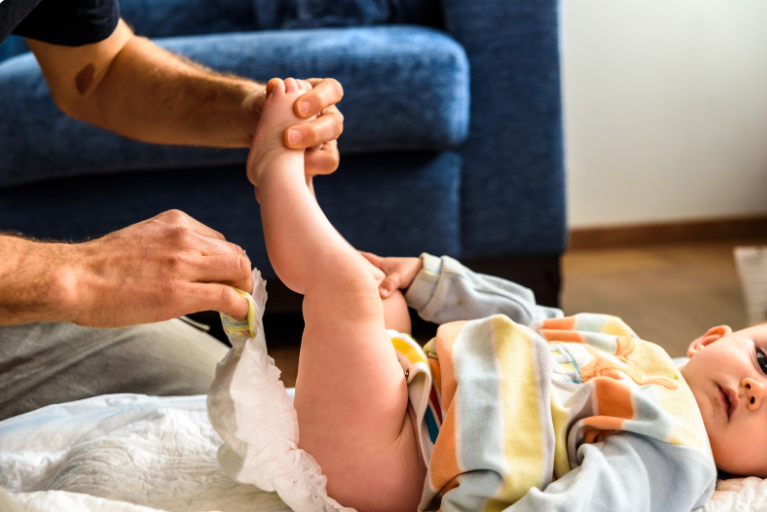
[(134, 453), (121, 453)]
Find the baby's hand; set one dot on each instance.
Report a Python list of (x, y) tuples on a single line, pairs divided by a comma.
[(400, 272), (276, 117)]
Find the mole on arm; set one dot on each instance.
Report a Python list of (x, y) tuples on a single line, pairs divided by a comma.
[(84, 78)]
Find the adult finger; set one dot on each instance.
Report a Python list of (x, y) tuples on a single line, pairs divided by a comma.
[(214, 297), (325, 128), (179, 219), (325, 92), (324, 160), (204, 230), (207, 246), (223, 268), (186, 239)]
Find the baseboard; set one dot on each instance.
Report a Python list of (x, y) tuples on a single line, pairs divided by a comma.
[(745, 228)]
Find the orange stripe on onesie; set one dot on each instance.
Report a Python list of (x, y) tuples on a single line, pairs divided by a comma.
[(436, 374), (614, 406), (556, 336), (559, 324), (443, 466)]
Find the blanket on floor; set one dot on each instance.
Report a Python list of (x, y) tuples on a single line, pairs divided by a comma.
[(122, 453)]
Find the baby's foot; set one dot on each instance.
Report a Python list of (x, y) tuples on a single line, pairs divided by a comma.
[(276, 116)]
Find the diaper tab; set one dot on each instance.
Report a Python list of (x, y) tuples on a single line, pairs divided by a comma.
[(245, 328)]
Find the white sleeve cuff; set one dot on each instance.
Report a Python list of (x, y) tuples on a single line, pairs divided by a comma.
[(425, 283)]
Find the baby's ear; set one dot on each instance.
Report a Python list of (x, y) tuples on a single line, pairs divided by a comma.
[(712, 335)]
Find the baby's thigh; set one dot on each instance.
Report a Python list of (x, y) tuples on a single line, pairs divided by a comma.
[(349, 380), (351, 398), (396, 314)]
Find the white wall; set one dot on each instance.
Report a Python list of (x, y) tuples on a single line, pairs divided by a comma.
[(665, 109)]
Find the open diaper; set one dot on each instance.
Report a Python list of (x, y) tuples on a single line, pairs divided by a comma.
[(250, 410)]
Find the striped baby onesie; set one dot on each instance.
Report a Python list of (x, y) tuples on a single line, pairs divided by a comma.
[(572, 413)]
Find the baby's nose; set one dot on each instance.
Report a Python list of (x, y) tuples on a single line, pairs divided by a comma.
[(755, 392)]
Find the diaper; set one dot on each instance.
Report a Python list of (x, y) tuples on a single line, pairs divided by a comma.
[(251, 411), (254, 415)]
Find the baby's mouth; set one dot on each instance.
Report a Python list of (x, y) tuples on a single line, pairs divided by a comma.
[(729, 400)]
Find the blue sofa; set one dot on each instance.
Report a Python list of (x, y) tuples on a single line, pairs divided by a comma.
[(452, 141)]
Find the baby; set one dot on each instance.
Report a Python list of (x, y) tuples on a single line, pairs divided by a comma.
[(511, 405)]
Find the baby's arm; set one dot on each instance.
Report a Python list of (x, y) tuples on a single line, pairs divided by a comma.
[(626, 473), (351, 394), (443, 290)]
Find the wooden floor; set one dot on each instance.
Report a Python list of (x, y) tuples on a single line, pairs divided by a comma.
[(668, 294)]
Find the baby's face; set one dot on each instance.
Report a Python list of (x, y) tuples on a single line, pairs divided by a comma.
[(728, 378)]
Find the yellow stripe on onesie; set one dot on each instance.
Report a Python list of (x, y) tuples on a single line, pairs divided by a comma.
[(524, 443), (497, 438)]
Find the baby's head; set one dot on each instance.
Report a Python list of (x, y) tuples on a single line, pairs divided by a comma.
[(727, 373)]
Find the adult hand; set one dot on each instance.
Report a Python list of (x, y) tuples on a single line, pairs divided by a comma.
[(318, 136), (400, 272), (162, 268)]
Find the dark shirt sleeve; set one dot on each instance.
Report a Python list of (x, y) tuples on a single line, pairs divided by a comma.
[(70, 22)]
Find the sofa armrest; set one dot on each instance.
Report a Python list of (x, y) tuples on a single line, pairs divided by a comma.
[(513, 169), (12, 47)]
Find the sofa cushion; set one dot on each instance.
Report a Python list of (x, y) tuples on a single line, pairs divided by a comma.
[(406, 88)]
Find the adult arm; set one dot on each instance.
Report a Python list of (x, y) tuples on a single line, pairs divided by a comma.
[(443, 290), (162, 268), (128, 85)]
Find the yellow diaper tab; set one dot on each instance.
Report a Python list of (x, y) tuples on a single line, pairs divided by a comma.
[(246, 327)]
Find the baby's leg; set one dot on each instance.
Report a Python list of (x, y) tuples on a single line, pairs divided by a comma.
[(351, 394)]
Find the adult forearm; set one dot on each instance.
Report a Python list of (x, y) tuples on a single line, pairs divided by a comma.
[(129, 85), (33, 276), (162, 268), (152, 95)]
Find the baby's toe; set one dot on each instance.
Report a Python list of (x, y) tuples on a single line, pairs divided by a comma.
[(276, 85), (291, 85)]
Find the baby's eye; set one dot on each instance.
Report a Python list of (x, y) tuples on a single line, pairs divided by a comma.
[(761, 360)]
